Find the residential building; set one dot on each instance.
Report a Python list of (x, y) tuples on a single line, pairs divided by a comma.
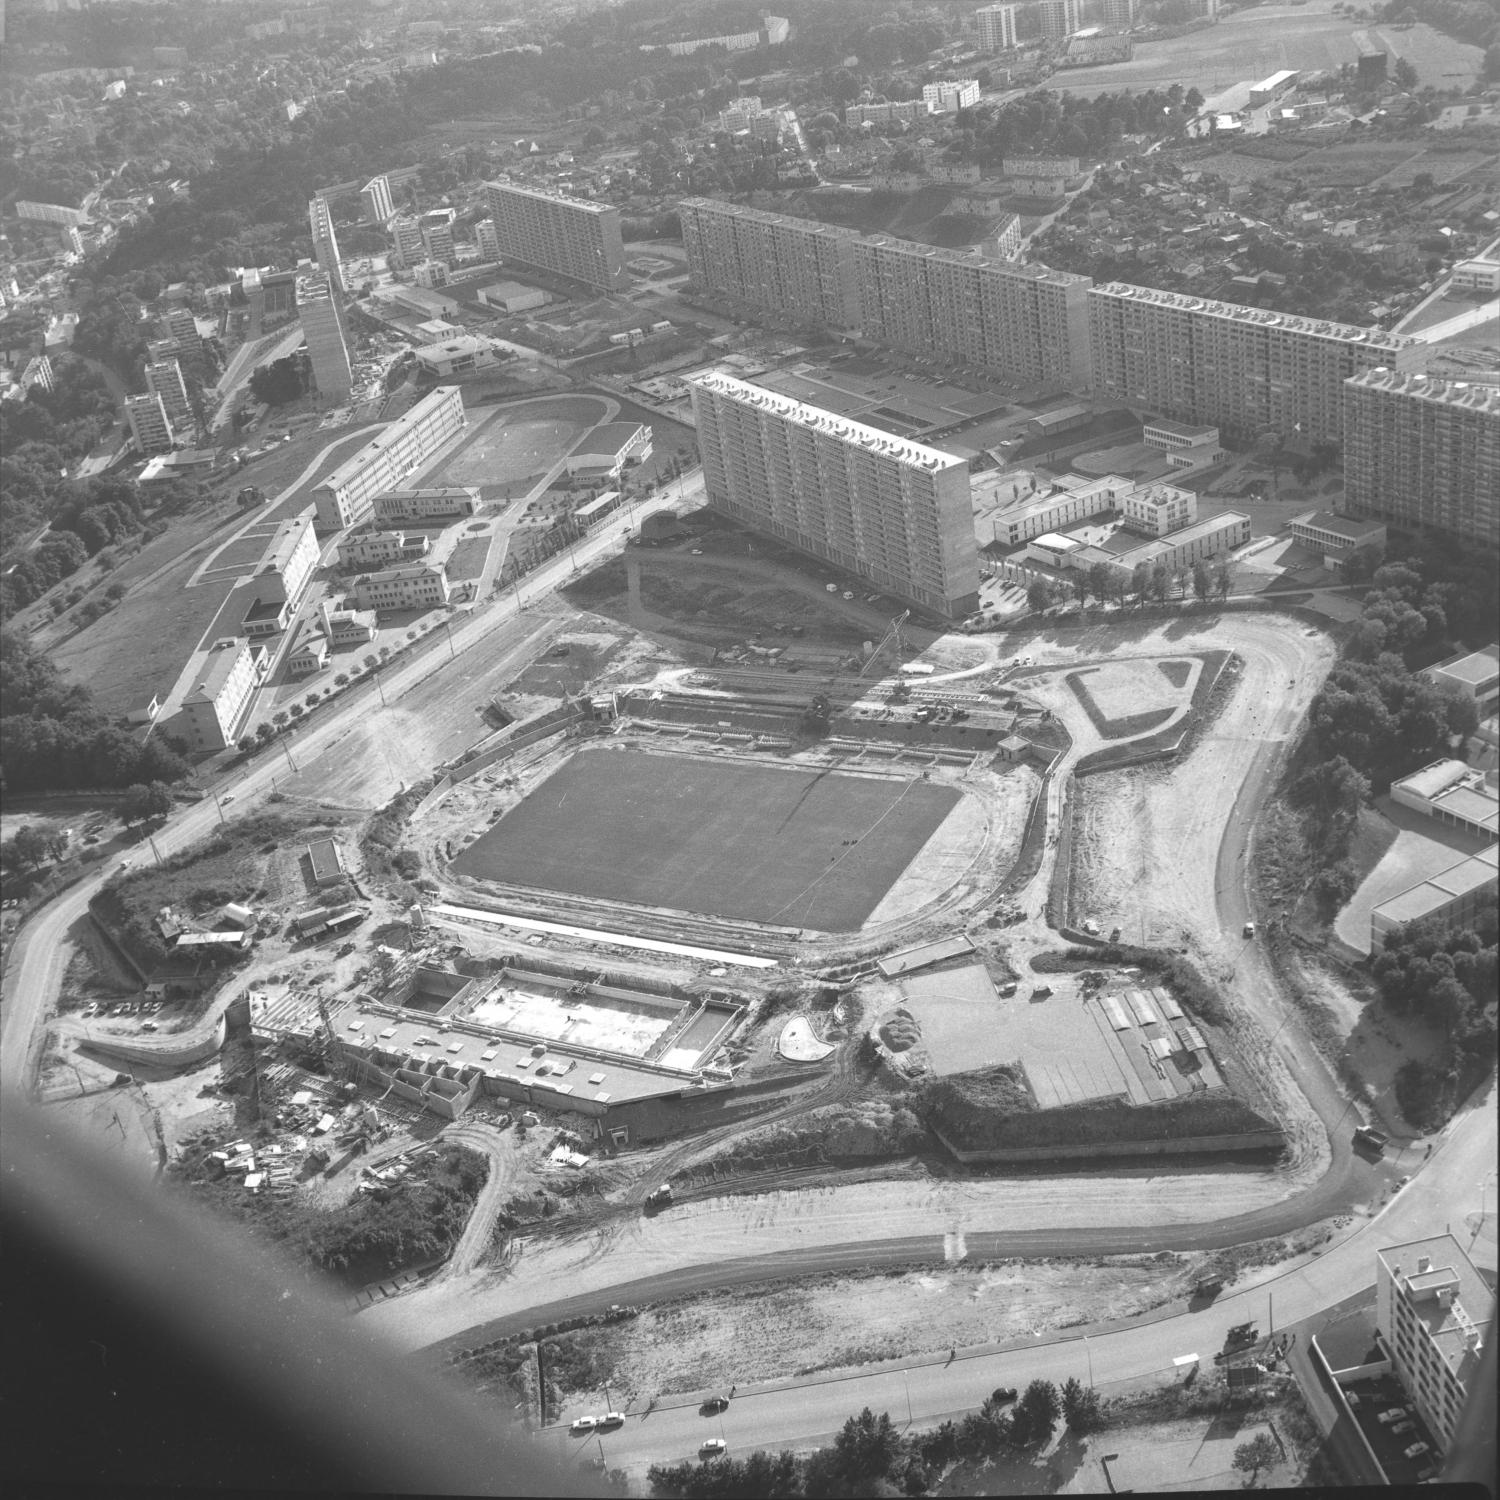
[(559, 234), (1119, 15), (448, 503), (1433, 1312), (1452, 897), (406, 231), (997, 27), (1422, 452), (1185, 445), (380, 207), (604, 452), (431, 274), (948, 97), (1272, 88), (38, 371), (347, 627), (414, 586), (512, 297), (437, 237), (1246, 370), (1336, 537), (366, 549), (1475, 674), (1158, 509), (323, 331), (214, 710), (149, 425), (325, 244), (487, 238), (164, 379), (889, 510), (347, 495), (1056, 19), (796, 268), (887, 112), (181, 325), (1453, 793), (1479, 275), (309, 651), (741, 114)]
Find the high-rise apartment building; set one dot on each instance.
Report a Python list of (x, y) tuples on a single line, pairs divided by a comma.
[(323, 329), (325, 244), (181, 325), (879, 506), (164, 379), (149, 424), (406, 230), (1420, 452), (1246, 370), (997, 27), (1118, 14), (1025, 323), (554, 233), (1056, 18), (1433, 1311), (437, 237), (380, 207), (488, 240), (950, 96), (797, 268)]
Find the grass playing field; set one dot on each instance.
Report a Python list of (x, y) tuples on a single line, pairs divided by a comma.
[(758, 843)]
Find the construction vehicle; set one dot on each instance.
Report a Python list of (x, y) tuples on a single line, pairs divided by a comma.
[(659, 1198), (1371, 1139)]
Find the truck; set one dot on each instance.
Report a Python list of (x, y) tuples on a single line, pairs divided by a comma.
[(659, 1198), (1371, 1139), (1208, 1286)]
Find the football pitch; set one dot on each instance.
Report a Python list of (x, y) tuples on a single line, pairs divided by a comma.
[(791, 847)]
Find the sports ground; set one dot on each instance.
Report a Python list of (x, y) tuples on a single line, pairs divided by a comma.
[(772, 844)]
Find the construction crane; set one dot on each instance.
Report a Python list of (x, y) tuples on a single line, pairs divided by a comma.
[(892, 638), (338, 1066)]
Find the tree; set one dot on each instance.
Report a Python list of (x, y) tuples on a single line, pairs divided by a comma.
[(142, 802), (867, 1446), (1223, 580), (265, 732), (30, 847), (1038, 595), (1036, 1413), (1404, 73), (1259, 1453), (1080, 1407), (1202, 584)]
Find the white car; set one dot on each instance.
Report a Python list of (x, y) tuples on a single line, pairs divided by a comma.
[(582, 1425), (612, 1419), (713, 1448), (1415, 1451)]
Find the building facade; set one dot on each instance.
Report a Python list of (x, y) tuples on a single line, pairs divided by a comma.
[(371, 549), (149, 424), (1422, 452), (406, 231), (884, 508), (447, 503), (1433, 1312), (437, 237), (347, 495), (1158, 509), (555, 233), (379, 206), (414, 586), (1474, 674), (1246, 370), (164, 379), (947, 98), (487, 238), (214, 710), (1453, 897), (997, 27)]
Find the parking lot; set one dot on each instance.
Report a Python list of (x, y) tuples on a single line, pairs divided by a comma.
[(1368, 1400)]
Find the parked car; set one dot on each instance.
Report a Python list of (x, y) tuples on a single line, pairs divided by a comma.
[(582, 1425), (611, 1419), (1415, 1451), (1249, 929), (713, 1406), (1390, 1414), (713, 1448), (1407, 1426), (1003, 1395)]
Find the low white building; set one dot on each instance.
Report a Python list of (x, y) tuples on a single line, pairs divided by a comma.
[(458, 356), (442, 503), (1185, 444), (512, 297), (416, 586), (1336, 537), (604, 452), (372, 549), (213, 712), (1453, 793), (1158, 509), (1476, 276), (1475, 674)]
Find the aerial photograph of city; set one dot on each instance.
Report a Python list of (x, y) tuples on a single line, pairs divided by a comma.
[(749, 754)]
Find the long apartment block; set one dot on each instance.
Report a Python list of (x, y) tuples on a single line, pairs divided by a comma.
[(1022, 322), (1246, 370), (1422, 452), (555, 233), (882, 507)]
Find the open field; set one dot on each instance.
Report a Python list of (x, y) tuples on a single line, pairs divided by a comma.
[(514, 446), (1253, 43), (753, 842)]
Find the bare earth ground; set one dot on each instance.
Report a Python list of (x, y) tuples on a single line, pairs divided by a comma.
[(1195, 1453)]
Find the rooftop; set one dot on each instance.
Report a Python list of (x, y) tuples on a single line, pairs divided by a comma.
[(221, 662), (1341, 526), (351, 467), (1457, 1322), (1428, 896), (817, 420), (549, 196), (1478, 668), (1476, 397)]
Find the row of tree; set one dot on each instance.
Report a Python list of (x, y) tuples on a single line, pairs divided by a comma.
[(1148, 583), (871, 1457)]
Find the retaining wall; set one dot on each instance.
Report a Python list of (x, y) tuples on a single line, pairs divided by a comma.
[(1259, 1140), (164, 1052)]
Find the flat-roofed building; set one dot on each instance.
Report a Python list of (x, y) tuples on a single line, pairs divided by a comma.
[(1433, 1313), (215, 708), (325, 243), (1186, 445), (886, 112), (604, 452), (1273, 87), (997, 27), (281, 577), (376, 198), (345, 626), (1453, 793), (487, 238), (437, 237), (442, 503), (1475, 674), (882, 507), (347, 495), (323, 329), (1158, 509), (454, 357), (1453, 897), (1479, 275), (150, 426), (513, 297), (411, 586), (309, 651), (368, 549), (1037, 515), (556, 233), (406, 231), (1421, 452), (1176, 552), (1336, 537), (950, 96), (164, 379), (1246, 370), (326, 860), (431, 274)]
